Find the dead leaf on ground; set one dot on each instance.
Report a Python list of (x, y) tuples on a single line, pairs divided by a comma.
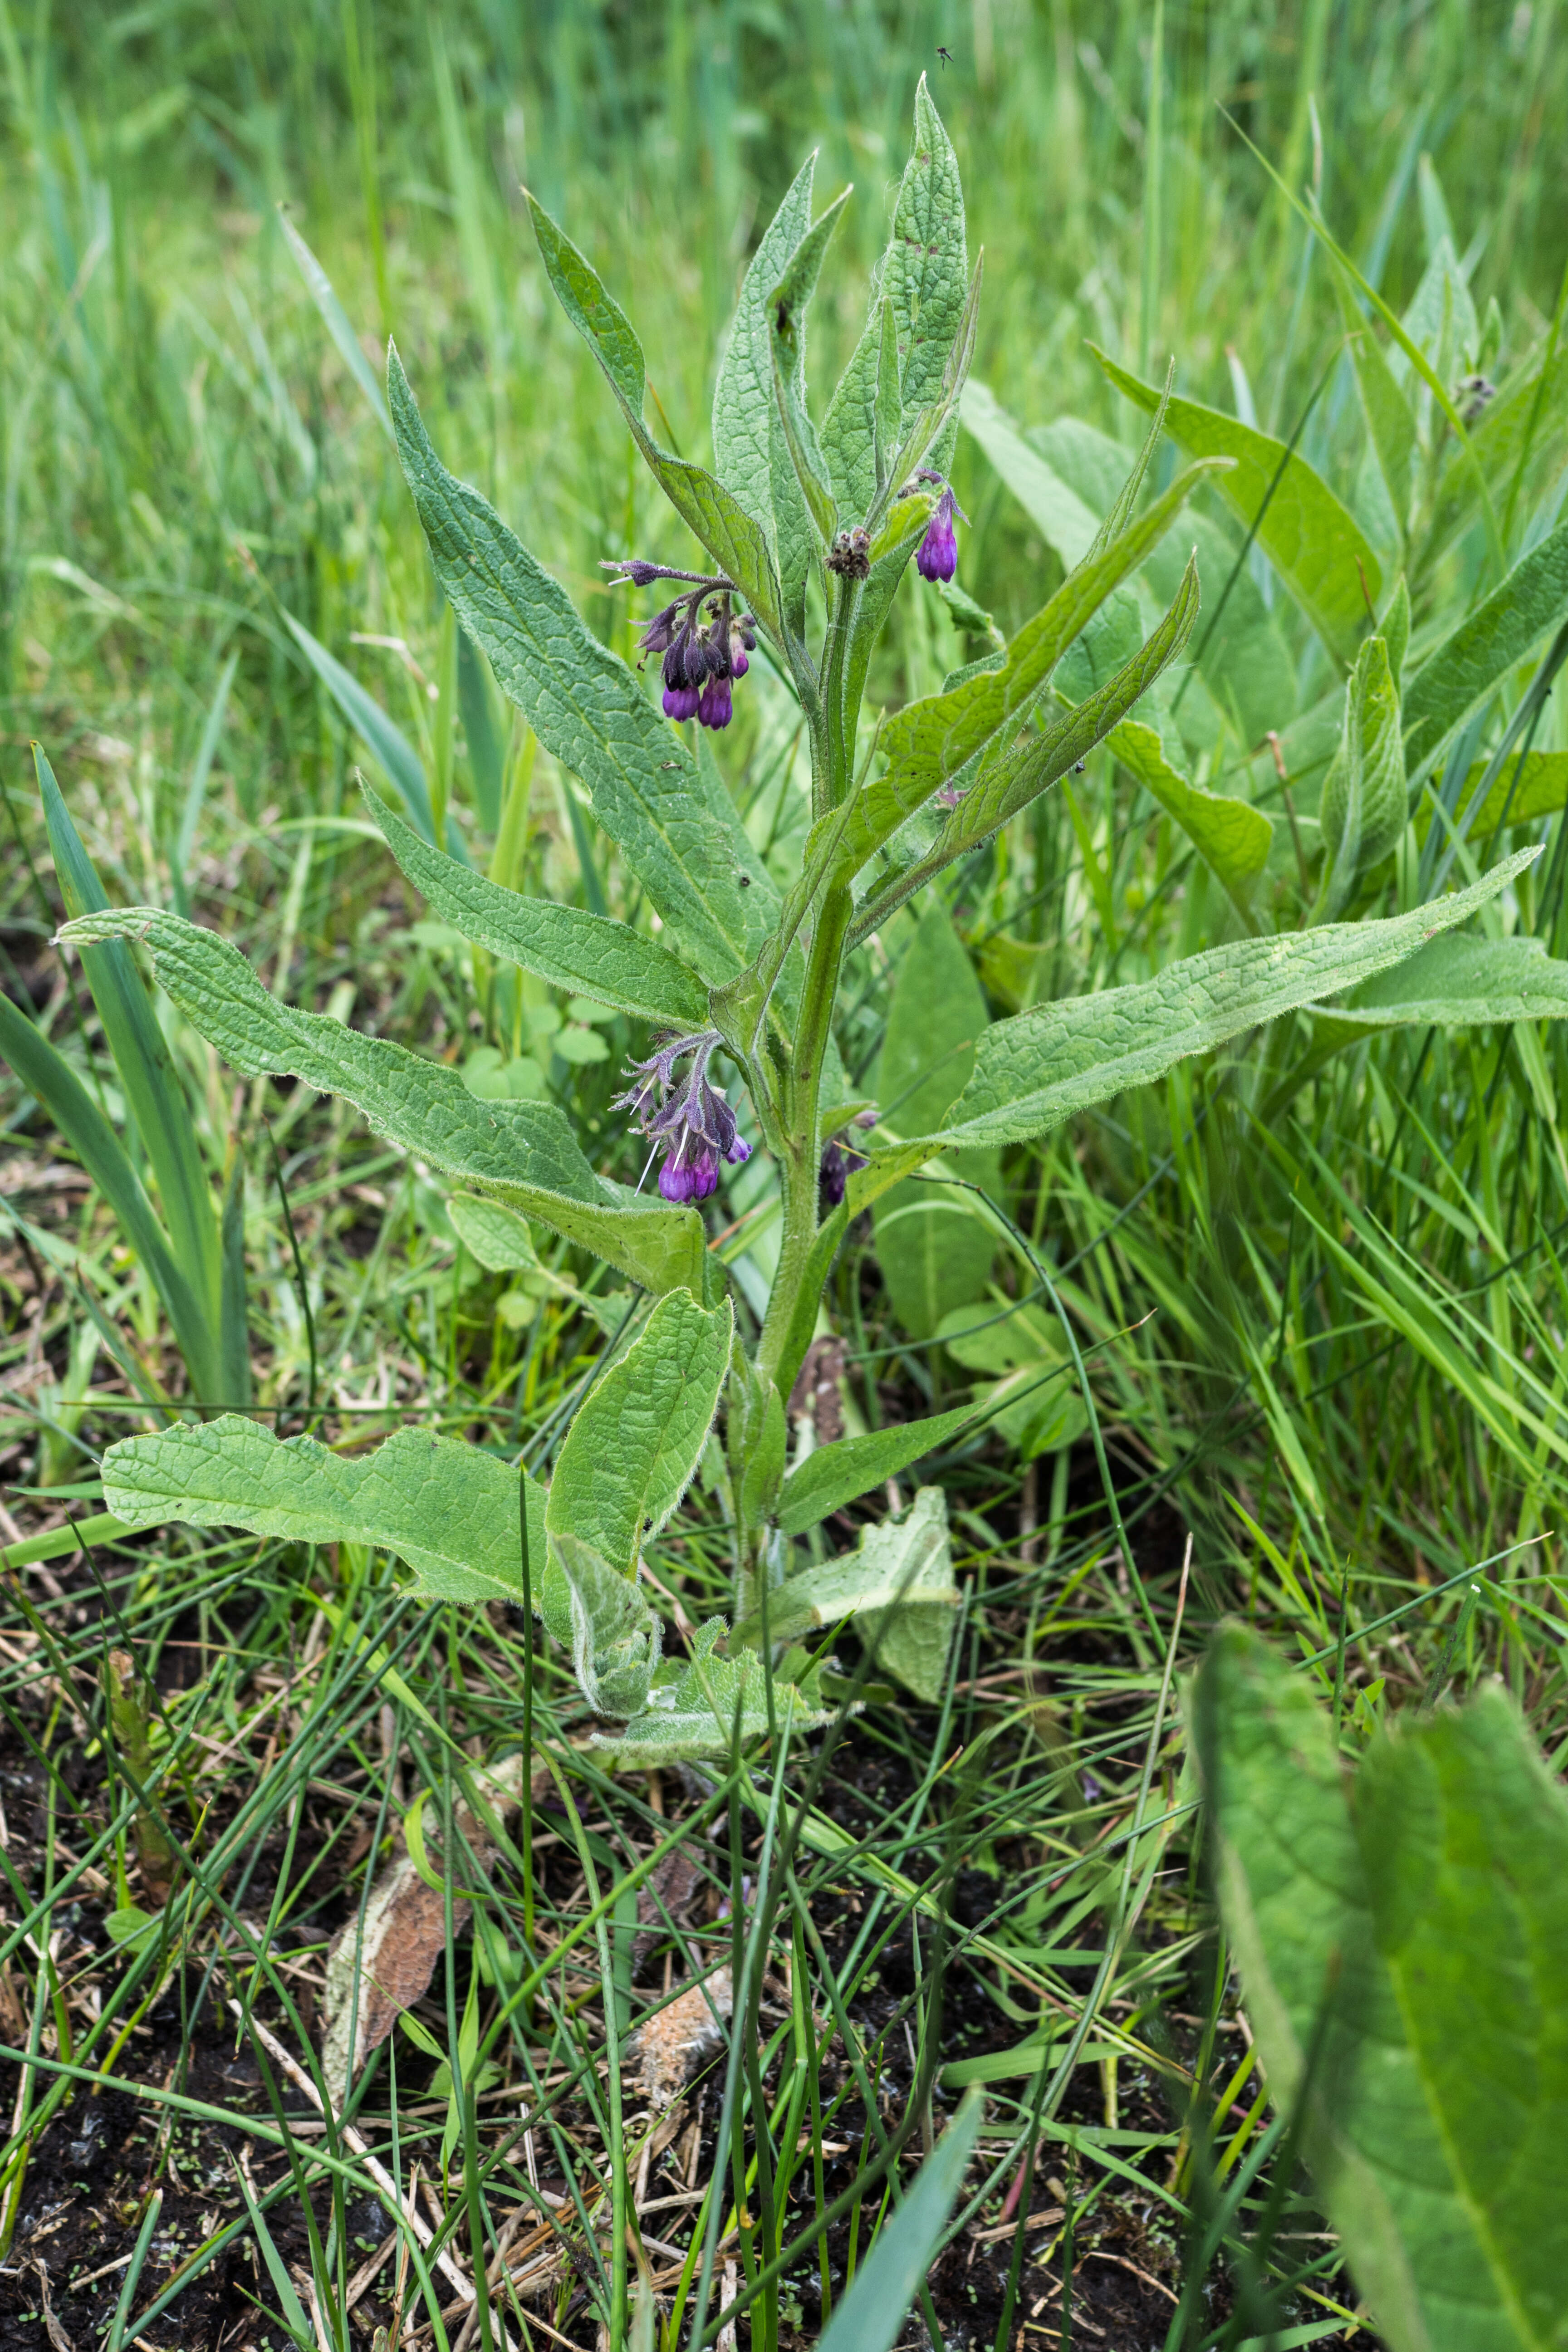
[(405, 1934), (669, 1891), (669, 2048)]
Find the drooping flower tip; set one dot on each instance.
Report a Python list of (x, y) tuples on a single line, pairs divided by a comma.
[(681, 702), (937, 557), (833, 1176), (683, 1181), (740, 1151), (715, 707)]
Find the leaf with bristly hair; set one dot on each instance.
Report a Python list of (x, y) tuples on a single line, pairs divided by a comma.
[(635, 1443), (669, 815), (448, 1510), (1403, 1944), (1034, 1072), (590, 955), (524, 1150)]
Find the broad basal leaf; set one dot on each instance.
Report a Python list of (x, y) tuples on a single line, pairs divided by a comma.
[(737, 544), (525, 1151), (1403, 1955), (634, 1444), (700, 1708), (1314, 544), (683, 838), (588, 954), (602, 1616), (903, 1565), (1035, 1071), (1466, 670), (447, 1510)]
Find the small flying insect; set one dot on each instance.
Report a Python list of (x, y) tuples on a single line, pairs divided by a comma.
[(946, 56)]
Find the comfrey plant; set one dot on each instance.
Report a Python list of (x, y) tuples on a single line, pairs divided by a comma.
[(809, 529)]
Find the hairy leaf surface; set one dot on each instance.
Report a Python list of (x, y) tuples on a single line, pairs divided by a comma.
[(589, 954), (682, 837), (1034, 1072), (447, 1510), (635, 1443), (1404, 1952), (526, 1150)]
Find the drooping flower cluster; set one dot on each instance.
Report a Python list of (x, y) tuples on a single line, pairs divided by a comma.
[(688, 1116), (704, 651)]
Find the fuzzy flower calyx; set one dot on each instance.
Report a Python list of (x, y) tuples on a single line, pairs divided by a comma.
[(685, 1115)]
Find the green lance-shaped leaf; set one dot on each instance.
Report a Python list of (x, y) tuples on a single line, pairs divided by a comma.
[(589, 954), (924, 273), (929, 742), (677, 827), (1036, 1071), (1314, 544), (1466, 670), (1229, 835), (737, 544), (1404, 1954), (750, 449), (930, 427), (524, 1150), (448, 1510), (1460, 981), (154, 1095), (851, 1467), (699, 1708), (47, 1074), (384, 740), (1010, 783), (748, 453), (787, 310), (633, 1446), (860, 432), (1362, 807)]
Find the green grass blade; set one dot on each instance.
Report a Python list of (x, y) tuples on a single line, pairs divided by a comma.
[(48, 1075), (154, 1095)]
